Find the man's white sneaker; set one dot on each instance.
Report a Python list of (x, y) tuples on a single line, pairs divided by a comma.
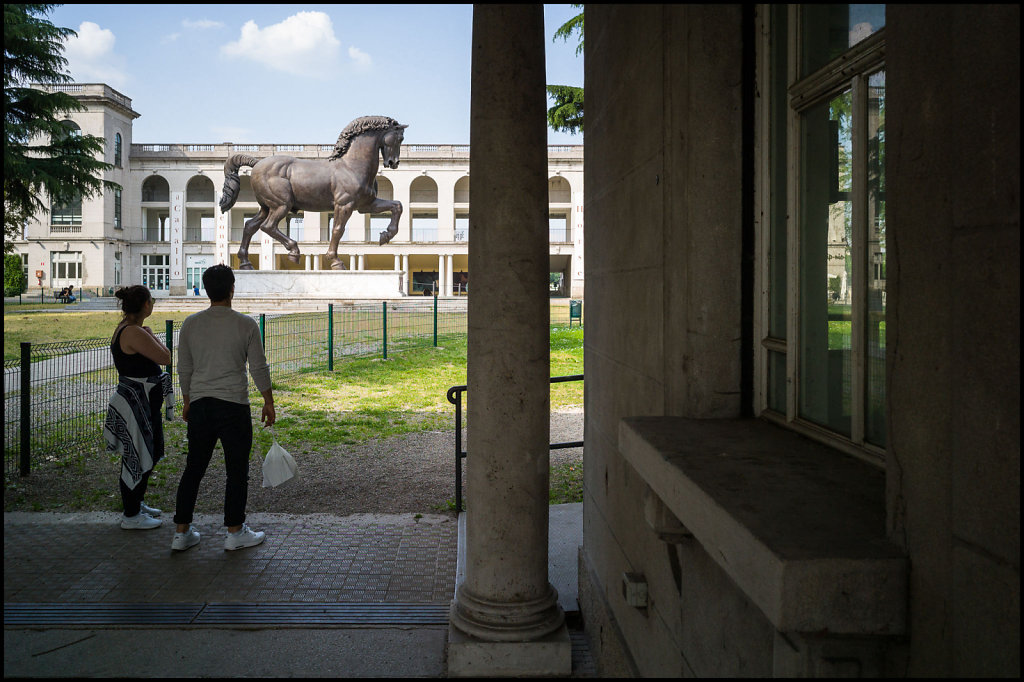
[(183, 541), (246, 537), (152, 511), (141, 521)]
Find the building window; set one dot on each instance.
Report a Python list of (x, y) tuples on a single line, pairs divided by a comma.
[(424, 227), (66, 216), (117, 210), (117, 268), (117, 149), (462, 228), (558, 228), (156, 271), (822, 192)]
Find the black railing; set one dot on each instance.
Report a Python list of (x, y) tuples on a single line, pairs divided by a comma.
[(455, 398)]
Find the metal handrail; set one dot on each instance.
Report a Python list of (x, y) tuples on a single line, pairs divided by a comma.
[(455, 398)]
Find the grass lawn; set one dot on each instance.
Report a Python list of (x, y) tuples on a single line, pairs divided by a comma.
[(44, 327)]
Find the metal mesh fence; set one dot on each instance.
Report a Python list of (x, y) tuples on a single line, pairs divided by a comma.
[(70, 383)]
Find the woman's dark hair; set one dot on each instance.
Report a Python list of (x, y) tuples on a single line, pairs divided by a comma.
[(133, 298), (218, 280)]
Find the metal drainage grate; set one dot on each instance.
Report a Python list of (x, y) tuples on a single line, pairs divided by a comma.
[(224, 613), (235, 613), (99, 614)]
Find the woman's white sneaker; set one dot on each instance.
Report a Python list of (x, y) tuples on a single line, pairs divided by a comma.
[(246, 537), (141, 521), (183, 541), (152, 511)]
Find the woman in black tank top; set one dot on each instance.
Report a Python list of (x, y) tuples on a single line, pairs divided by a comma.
[(138, 355)]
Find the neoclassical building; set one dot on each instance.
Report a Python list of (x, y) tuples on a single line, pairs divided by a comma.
[(164, 227)]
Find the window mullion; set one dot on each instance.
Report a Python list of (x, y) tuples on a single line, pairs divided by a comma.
[(793, 223), (859, 257)]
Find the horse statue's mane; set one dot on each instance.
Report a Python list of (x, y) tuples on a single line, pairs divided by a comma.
[(358, 127)]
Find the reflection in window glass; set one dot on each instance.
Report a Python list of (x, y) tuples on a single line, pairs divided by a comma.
[(830, 30), (874, 420), (825, 263)]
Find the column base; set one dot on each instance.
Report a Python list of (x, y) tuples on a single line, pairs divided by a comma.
[(549, 656)]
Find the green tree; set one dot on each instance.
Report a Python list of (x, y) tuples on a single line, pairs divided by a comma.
[(566, 114), (14, 275), (41, 154)]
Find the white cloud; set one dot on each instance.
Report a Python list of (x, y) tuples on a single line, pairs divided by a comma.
[(91, 56), (303, 44), (201, 24), (361, 59)]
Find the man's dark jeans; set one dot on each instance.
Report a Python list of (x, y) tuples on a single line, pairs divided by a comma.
[(210, 419)]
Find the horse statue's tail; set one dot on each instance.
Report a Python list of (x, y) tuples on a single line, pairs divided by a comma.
[(231, 182)]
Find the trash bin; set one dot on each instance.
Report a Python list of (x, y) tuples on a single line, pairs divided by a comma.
[(575, 312)]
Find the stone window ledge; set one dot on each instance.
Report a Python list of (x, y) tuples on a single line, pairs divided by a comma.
[(798, 526)]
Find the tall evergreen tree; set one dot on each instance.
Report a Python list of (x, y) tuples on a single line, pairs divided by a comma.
[(40, 153), (566, 114)]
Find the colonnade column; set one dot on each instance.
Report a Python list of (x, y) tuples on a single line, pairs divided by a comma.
[(449, 274), (441, 284), (505, 618)]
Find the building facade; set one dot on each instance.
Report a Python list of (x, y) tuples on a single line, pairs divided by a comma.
[(165, 227)]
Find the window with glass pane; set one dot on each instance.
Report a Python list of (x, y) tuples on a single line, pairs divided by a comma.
[(824, 207), (66, 213), (826, 284), (830, 30), (117, 209), (117, 149)]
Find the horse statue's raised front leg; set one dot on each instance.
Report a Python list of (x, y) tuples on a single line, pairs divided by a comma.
[(341, 216), (252, 225), (386, 206)]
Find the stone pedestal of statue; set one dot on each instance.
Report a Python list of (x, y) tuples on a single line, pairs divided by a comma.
[(328, 284)]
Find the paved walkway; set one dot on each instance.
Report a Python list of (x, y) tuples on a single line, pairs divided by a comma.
[(363, 595)]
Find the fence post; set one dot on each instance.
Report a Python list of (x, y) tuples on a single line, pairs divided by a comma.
[(169, 327), (330, 337), (435, 321), (384, 307), (263, 331), (26, 407)]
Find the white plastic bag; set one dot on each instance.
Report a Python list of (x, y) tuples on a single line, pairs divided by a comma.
[(278, 465)]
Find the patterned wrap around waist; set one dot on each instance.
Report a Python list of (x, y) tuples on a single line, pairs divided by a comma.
[(128, 428)]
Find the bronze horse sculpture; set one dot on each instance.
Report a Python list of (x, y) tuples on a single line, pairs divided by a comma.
[(344, 182)]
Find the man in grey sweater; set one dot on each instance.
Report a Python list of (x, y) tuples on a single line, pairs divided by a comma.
[(213, 348)]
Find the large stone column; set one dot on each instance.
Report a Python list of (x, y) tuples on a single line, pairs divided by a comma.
[(505, 619)]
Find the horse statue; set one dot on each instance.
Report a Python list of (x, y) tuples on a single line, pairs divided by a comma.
[(344, 182)]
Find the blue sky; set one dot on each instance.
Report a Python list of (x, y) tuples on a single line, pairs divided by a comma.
[(291, 73)]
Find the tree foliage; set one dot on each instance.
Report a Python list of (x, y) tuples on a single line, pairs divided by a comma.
[(566, 114), (14, 275), (41, 155)]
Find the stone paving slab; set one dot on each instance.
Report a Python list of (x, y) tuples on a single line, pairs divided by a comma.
[(363, 558)]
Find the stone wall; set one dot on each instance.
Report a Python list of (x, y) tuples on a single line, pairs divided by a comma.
[(954, 361)]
